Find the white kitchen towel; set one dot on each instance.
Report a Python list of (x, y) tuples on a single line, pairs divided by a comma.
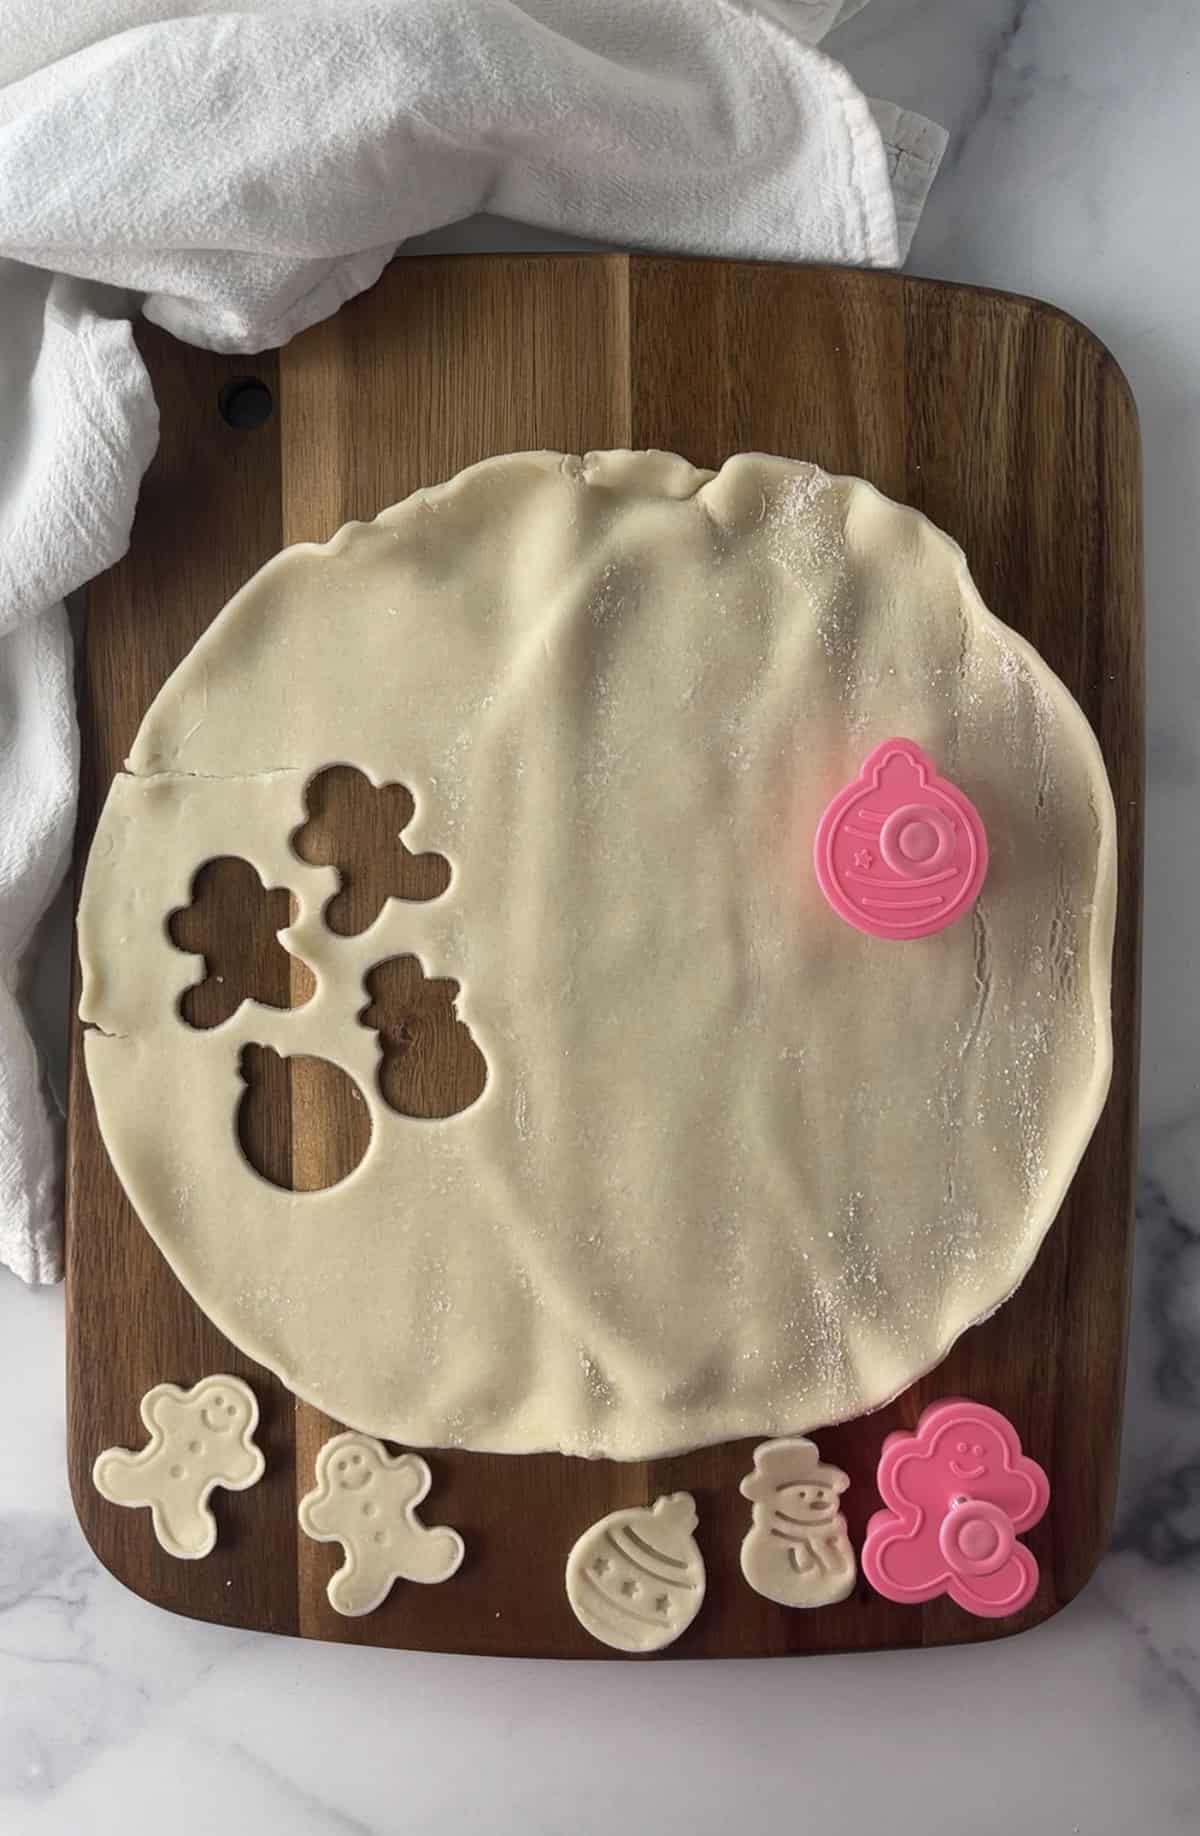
[(240, 171)]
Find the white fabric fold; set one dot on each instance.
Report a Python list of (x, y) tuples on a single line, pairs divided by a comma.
[(240, 171)]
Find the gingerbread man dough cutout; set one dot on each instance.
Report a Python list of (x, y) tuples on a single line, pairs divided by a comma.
[(797, 1550), (199, 1439), (366, 1499)]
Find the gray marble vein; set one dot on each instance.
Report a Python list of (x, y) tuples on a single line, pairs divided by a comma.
[(1074, 128)]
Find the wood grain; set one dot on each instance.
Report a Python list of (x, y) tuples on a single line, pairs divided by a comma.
[(1011, 426)]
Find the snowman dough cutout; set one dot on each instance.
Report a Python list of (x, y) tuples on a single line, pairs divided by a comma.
[(199, 1439), (366, 1499), (736, 1168), (797, 1551), (636, 1579)]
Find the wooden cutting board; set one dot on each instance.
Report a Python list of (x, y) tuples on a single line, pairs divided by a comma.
[(1009, 425)]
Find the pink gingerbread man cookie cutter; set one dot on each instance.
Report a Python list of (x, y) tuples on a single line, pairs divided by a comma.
[(900, 852), (957, 1495)]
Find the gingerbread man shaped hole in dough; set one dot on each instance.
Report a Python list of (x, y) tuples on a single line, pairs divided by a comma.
[(233, 921), (355, 827)]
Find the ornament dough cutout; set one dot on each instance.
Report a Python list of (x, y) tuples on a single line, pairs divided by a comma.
[(636, 1579)]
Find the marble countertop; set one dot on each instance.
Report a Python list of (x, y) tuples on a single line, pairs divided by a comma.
[(1071, 123)]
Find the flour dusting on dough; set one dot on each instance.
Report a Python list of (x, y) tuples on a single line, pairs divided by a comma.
[(737, 1169)]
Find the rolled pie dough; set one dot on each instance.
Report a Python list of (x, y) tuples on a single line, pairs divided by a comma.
[(737, 1168)]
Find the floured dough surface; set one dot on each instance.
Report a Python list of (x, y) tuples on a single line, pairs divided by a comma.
[(737, 1168)]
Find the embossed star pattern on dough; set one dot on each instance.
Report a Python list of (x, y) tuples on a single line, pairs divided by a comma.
[(864, 859), (629, 1589), (601, 1565), (663, 1605)]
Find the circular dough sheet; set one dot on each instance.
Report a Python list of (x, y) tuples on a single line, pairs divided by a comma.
[(738, 1168)]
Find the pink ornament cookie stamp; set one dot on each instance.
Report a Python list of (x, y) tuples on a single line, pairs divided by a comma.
[(958, 1493), (900, 852)]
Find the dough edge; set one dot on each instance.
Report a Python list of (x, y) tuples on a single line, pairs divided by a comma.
[(674, 476)]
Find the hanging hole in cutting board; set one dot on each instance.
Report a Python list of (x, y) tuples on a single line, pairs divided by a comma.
[(302, 1122), (355, 827), (246, 402), (232, 922), (430, 1066)]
